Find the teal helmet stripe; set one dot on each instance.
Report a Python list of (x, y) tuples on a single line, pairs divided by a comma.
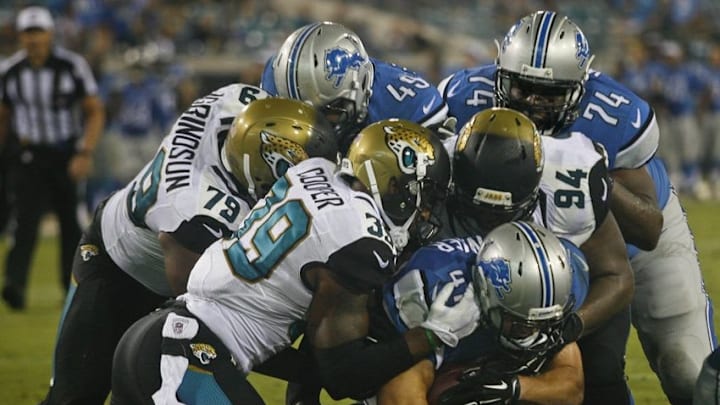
[(292, 68), (546, 282), (543, 38)]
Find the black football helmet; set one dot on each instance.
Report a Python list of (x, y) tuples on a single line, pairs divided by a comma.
[(497, 166)]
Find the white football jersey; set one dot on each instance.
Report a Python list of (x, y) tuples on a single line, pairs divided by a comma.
[(573, 189), (184, 191), (249, 289)]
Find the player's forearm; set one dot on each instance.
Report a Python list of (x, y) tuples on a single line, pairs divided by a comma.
[(608, 295), (359, 368), (638, 216), (559, 386)]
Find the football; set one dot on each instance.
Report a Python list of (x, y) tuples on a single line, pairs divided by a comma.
[(445, 378)]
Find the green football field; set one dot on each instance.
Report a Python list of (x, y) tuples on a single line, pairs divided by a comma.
[(26, 339)]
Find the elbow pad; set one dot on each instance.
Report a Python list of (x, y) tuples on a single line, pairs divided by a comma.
[(357, 369)]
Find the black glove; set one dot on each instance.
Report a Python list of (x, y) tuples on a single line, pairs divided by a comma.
[(484, 387)]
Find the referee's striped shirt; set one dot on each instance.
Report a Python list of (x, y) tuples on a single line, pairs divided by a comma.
[(46, 101)]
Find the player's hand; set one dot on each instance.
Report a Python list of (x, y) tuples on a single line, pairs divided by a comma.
[(478, 385), (451, 319)]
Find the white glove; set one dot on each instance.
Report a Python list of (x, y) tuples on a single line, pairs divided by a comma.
[(448, 128), (455, 321)]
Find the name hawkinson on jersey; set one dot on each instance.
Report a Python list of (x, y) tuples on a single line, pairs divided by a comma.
[(186, 138)]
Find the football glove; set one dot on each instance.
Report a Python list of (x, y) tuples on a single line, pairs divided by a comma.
[(478, 386), (452, 320)]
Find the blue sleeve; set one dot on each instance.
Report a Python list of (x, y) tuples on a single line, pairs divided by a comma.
[(468, 92), (401, 93), (580, 270), (614, 116), (267, 81)]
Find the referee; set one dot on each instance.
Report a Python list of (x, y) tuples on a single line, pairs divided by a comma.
[(46, 93)]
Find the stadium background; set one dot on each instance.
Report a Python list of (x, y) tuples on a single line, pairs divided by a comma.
[(191, 47)]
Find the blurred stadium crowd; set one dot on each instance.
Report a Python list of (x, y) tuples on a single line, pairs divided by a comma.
[(153, 57)]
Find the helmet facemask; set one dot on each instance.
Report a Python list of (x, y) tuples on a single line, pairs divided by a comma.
[(481, 217), (550, 104), (410, 207)]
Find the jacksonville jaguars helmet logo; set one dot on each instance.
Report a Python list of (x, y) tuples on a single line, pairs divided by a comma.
[(338, 61), (87, 252), (280, 153), (406, 145), (204, 352), (583, 49), (498, 272)]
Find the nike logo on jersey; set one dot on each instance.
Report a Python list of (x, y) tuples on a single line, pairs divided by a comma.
[(453, 89), (636, 123), (605, 190), (217, 233), (427, 107), (382, 263)]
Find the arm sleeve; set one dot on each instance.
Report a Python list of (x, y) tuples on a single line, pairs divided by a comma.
[(362, 265), (600, 185), (200, 232)]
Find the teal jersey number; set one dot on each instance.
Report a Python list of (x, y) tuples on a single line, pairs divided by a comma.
[(274, 236), (145, 191)]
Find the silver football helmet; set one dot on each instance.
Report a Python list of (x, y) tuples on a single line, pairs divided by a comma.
[(326, 65), (542, 65), (523, 284)]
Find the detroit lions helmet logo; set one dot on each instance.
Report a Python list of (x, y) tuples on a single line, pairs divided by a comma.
[(583, 49), (338, 61), (280, 153), (406, 145), (498, 272)]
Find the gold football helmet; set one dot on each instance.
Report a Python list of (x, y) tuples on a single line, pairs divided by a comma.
[(406, 169), (270, 136)]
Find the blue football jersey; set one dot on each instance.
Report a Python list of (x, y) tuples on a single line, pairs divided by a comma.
[(409, 295), (397, 92), (609, 113)]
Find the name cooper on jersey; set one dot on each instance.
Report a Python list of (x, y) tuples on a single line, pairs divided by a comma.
[(188, 132), (319, 188)]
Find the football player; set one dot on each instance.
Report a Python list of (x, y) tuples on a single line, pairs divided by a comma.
[(310, 252), (543, 70), (527, 283), (504, 170), (326, 64), (146, 237)]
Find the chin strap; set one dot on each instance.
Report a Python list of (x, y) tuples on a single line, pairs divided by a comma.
[(399, 234), (248, 176)]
